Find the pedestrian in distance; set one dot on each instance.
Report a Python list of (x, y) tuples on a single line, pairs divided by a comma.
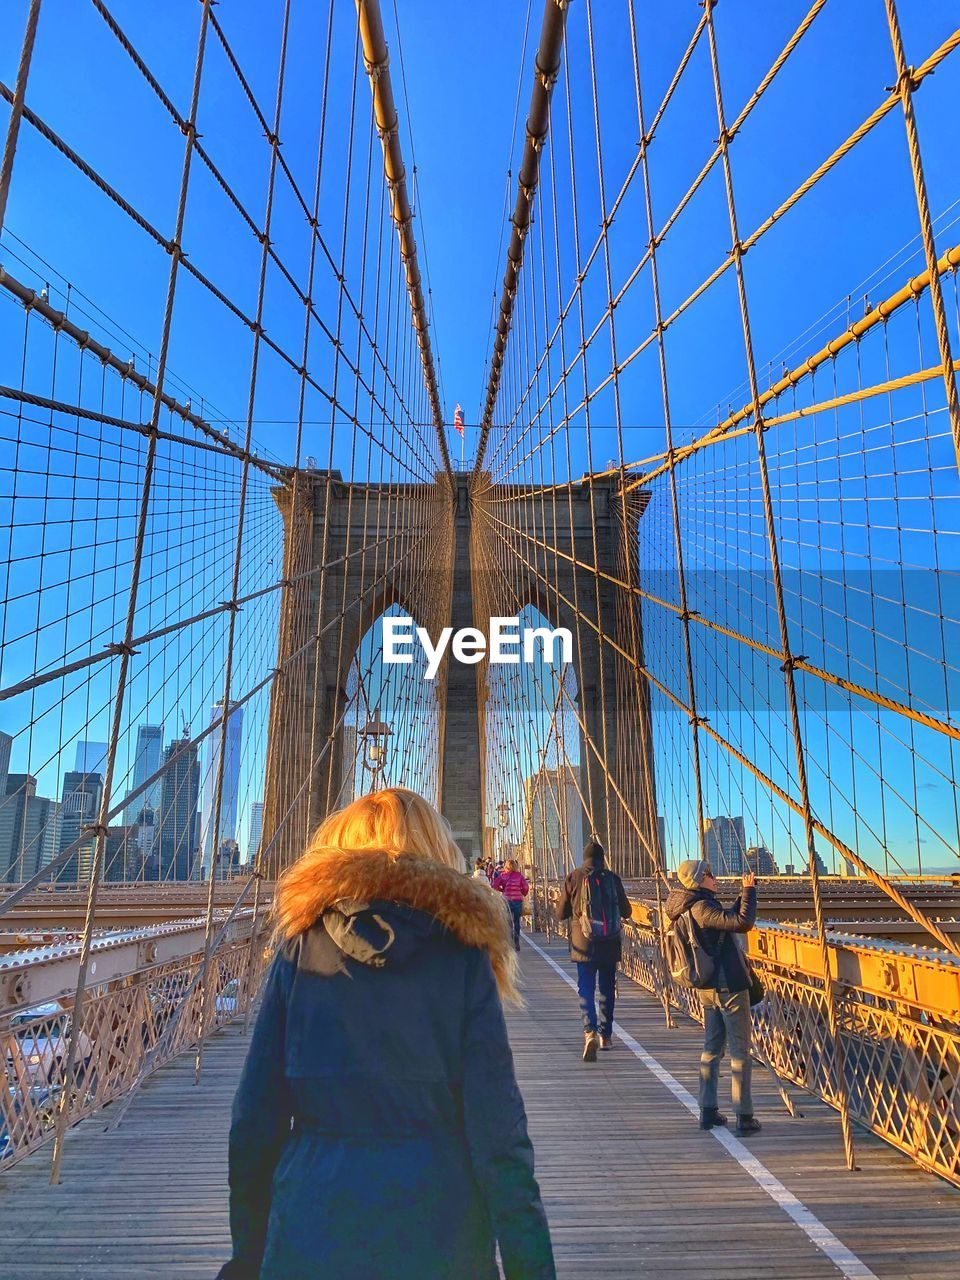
[(480, 871), (726, 996), (512, 883), (378, 1132), (595, 902)]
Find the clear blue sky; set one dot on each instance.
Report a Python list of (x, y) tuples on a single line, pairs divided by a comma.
[(456, 85)]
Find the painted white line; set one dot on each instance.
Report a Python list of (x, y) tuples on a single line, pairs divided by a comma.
[(846, 1262)]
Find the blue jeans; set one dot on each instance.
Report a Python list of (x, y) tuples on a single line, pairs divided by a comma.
[(516, 910), (589, 977)]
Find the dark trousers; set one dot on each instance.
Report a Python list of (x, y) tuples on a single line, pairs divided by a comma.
[(726, 1025), (589, 976), (516, 910)]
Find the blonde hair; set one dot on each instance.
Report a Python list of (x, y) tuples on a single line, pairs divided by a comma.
[(511, 865), (394, 821)]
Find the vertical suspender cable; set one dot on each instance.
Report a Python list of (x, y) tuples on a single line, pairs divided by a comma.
[(546, 67), (377, 62)]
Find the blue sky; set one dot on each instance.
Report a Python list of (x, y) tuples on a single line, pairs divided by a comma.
[(455, 72)]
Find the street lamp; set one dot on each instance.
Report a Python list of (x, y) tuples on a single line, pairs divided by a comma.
[(374, 735), (503, 817)]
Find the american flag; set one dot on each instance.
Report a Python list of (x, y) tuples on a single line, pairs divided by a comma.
[(458, 420)]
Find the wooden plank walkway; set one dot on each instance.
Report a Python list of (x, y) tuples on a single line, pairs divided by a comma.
[(651, 1196)]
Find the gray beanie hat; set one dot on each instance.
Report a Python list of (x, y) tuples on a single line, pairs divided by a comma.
[(691, 872)]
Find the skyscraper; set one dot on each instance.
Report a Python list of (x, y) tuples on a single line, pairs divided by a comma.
[(256, 830), (759, 859), (724, 845), (178, 835), (348, 770), (79, 807), (6, 746), (231, 780), (554, 817), (29, 828), (143, 812), (91, 757)]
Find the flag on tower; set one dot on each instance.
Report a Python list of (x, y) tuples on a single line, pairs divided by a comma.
[(458, 420)]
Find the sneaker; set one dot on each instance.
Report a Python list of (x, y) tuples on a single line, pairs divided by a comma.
[(591, 1043), (606, 1042), (711, 1118), (747, 1125)]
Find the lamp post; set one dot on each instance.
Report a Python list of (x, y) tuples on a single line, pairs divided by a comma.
[(503, 818), (374, 735)]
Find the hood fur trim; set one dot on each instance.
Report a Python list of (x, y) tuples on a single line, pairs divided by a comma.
[(470, 909)]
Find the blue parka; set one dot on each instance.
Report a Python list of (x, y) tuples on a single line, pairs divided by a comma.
[(378, 1132)]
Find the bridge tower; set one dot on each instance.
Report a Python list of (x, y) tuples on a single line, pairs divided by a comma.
[(339, 579)]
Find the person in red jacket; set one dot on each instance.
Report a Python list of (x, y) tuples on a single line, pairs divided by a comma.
[(512, 883)]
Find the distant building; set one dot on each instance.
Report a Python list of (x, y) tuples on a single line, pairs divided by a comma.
[(490, 841), (230, 790), (792, 870), (759, 859), (348, 765), (178, 836), (723, 844), (91, 758), (228, 859), (6, 746), (256, 831), (29, 828), (143, 812), (79, 808), (554, 818), (121, 858)]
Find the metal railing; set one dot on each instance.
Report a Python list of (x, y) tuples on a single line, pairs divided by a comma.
[(128, 1029), (901, 1048)]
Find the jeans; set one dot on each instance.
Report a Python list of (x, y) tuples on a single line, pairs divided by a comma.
[(589, 976), (516, 910), (726, 1021)]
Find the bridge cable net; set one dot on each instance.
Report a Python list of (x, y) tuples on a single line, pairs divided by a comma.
[(244, 361), (758, 580)]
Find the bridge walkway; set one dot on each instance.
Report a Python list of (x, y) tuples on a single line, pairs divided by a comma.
[(648, 1195)]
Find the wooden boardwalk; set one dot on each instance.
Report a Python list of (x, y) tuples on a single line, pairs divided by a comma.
[(651, 1196)]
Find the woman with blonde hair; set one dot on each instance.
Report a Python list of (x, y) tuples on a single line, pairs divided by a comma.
[(378, 1132)]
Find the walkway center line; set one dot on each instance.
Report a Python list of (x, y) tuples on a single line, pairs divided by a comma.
[(842, 1258)]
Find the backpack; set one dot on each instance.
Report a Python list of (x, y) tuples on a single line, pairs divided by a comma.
[(689, 963), (598, 905)]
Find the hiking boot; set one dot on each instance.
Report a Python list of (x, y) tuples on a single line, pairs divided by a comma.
[(711, 1118), (747, 1125), (591, 1043), (606, 1042)]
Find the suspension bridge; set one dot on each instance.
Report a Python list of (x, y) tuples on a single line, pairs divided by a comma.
[(717, 442)]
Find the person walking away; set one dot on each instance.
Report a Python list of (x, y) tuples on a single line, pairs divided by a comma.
[(512, 883), (726, 1002), (378, 1132), (480, 871), (595, 902)]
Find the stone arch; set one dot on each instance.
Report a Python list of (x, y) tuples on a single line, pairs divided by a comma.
[(405, 702)]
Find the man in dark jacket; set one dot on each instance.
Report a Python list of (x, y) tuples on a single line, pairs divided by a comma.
[(596, 958), (726, 1003)]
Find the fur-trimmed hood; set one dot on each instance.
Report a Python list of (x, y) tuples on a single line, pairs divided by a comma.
[(345, 887)]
